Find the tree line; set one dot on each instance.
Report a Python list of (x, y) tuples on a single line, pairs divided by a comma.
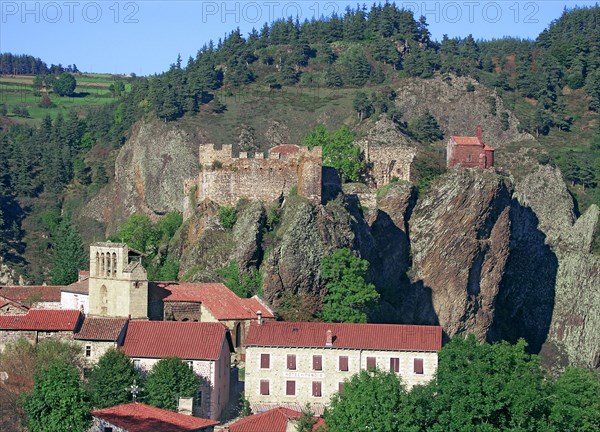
[(477, 387), (13, 64)]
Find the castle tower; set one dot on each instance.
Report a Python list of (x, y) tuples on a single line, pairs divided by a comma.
[(118, 283)]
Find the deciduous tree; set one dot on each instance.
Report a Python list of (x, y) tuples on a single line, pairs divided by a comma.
[(57, 402), (170, 379), (110, 379), (349, 297)]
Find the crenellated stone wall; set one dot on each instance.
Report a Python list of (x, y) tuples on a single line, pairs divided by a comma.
[(225, 179)]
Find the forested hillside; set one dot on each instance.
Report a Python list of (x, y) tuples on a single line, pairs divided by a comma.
[(551, 84)]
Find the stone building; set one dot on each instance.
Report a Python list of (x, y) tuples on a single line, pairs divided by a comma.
[(291, 364), (225, 179), (206, 347), (9, 307), (388, 154), (39, 324), (208, 302), (98, 334), (139, 417), (118, 283), (469, 151), (33, 296)]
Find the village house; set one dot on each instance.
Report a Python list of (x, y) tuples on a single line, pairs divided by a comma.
[(33, 296), (274, 420), (469, 151), (205, 347), (208, 302), (139, 417), (290, 364), (76, 295), (98, 334), (9, 307), (39, 324)]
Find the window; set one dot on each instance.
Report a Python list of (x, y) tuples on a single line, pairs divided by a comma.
[(198, 398), (340, 387), (316, 388), (190, 364), (136, 363), (107, 429), (418, 366), (317, 363), (291, 361), (343, 363), (265, 361), (371, 363), (88, 350), (395, 364), (290, 388), (264, 387)]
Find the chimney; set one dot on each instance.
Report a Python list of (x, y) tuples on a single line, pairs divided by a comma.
[(329, 340), (185, 405), (479, 134), (259, 317)]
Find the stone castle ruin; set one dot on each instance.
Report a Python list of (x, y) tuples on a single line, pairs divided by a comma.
[(224, 179)]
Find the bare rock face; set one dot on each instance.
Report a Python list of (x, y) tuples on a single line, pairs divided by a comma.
[(574, 330), (457, 110), (149, 174), (460, 236), (277, 133), (303, 237)]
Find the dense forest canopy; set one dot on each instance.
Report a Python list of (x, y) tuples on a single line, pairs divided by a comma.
[(362, 47)]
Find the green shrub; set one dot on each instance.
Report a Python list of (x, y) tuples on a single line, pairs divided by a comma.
[(227, 217)]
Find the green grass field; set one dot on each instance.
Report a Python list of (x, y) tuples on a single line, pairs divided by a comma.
[(92, 90)]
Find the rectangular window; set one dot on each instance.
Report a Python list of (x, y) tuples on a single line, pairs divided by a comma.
[(340, 387), (290, 388), (107, 429), (395, 364), (198, 398), (190, 364), (88, 350), (371, 363), (418, 366), (136, 363), (317, 363), (291, 361), (344, 363), (264, 387), (265, 361), (316, 388)]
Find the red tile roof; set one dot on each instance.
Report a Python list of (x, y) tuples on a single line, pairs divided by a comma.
[(42, 320), (273, 420), (81, 287), (186, 340), (220, 301), (389, 337), (31, 292), (285, 149), (488, 148), (4, 301), (104, 329), (139, 417), (467, 140)]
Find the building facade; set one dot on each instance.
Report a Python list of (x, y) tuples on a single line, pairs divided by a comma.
[(225, 179), (98, 334), (118, 283), (291, 364), (469, 151), (206, 347)]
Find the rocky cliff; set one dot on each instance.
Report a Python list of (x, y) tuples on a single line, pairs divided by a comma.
[(501, 255)]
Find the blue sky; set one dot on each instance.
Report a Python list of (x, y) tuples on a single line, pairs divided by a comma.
[(145, 36)]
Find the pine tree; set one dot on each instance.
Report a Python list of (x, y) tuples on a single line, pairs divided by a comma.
[(68, 255)]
